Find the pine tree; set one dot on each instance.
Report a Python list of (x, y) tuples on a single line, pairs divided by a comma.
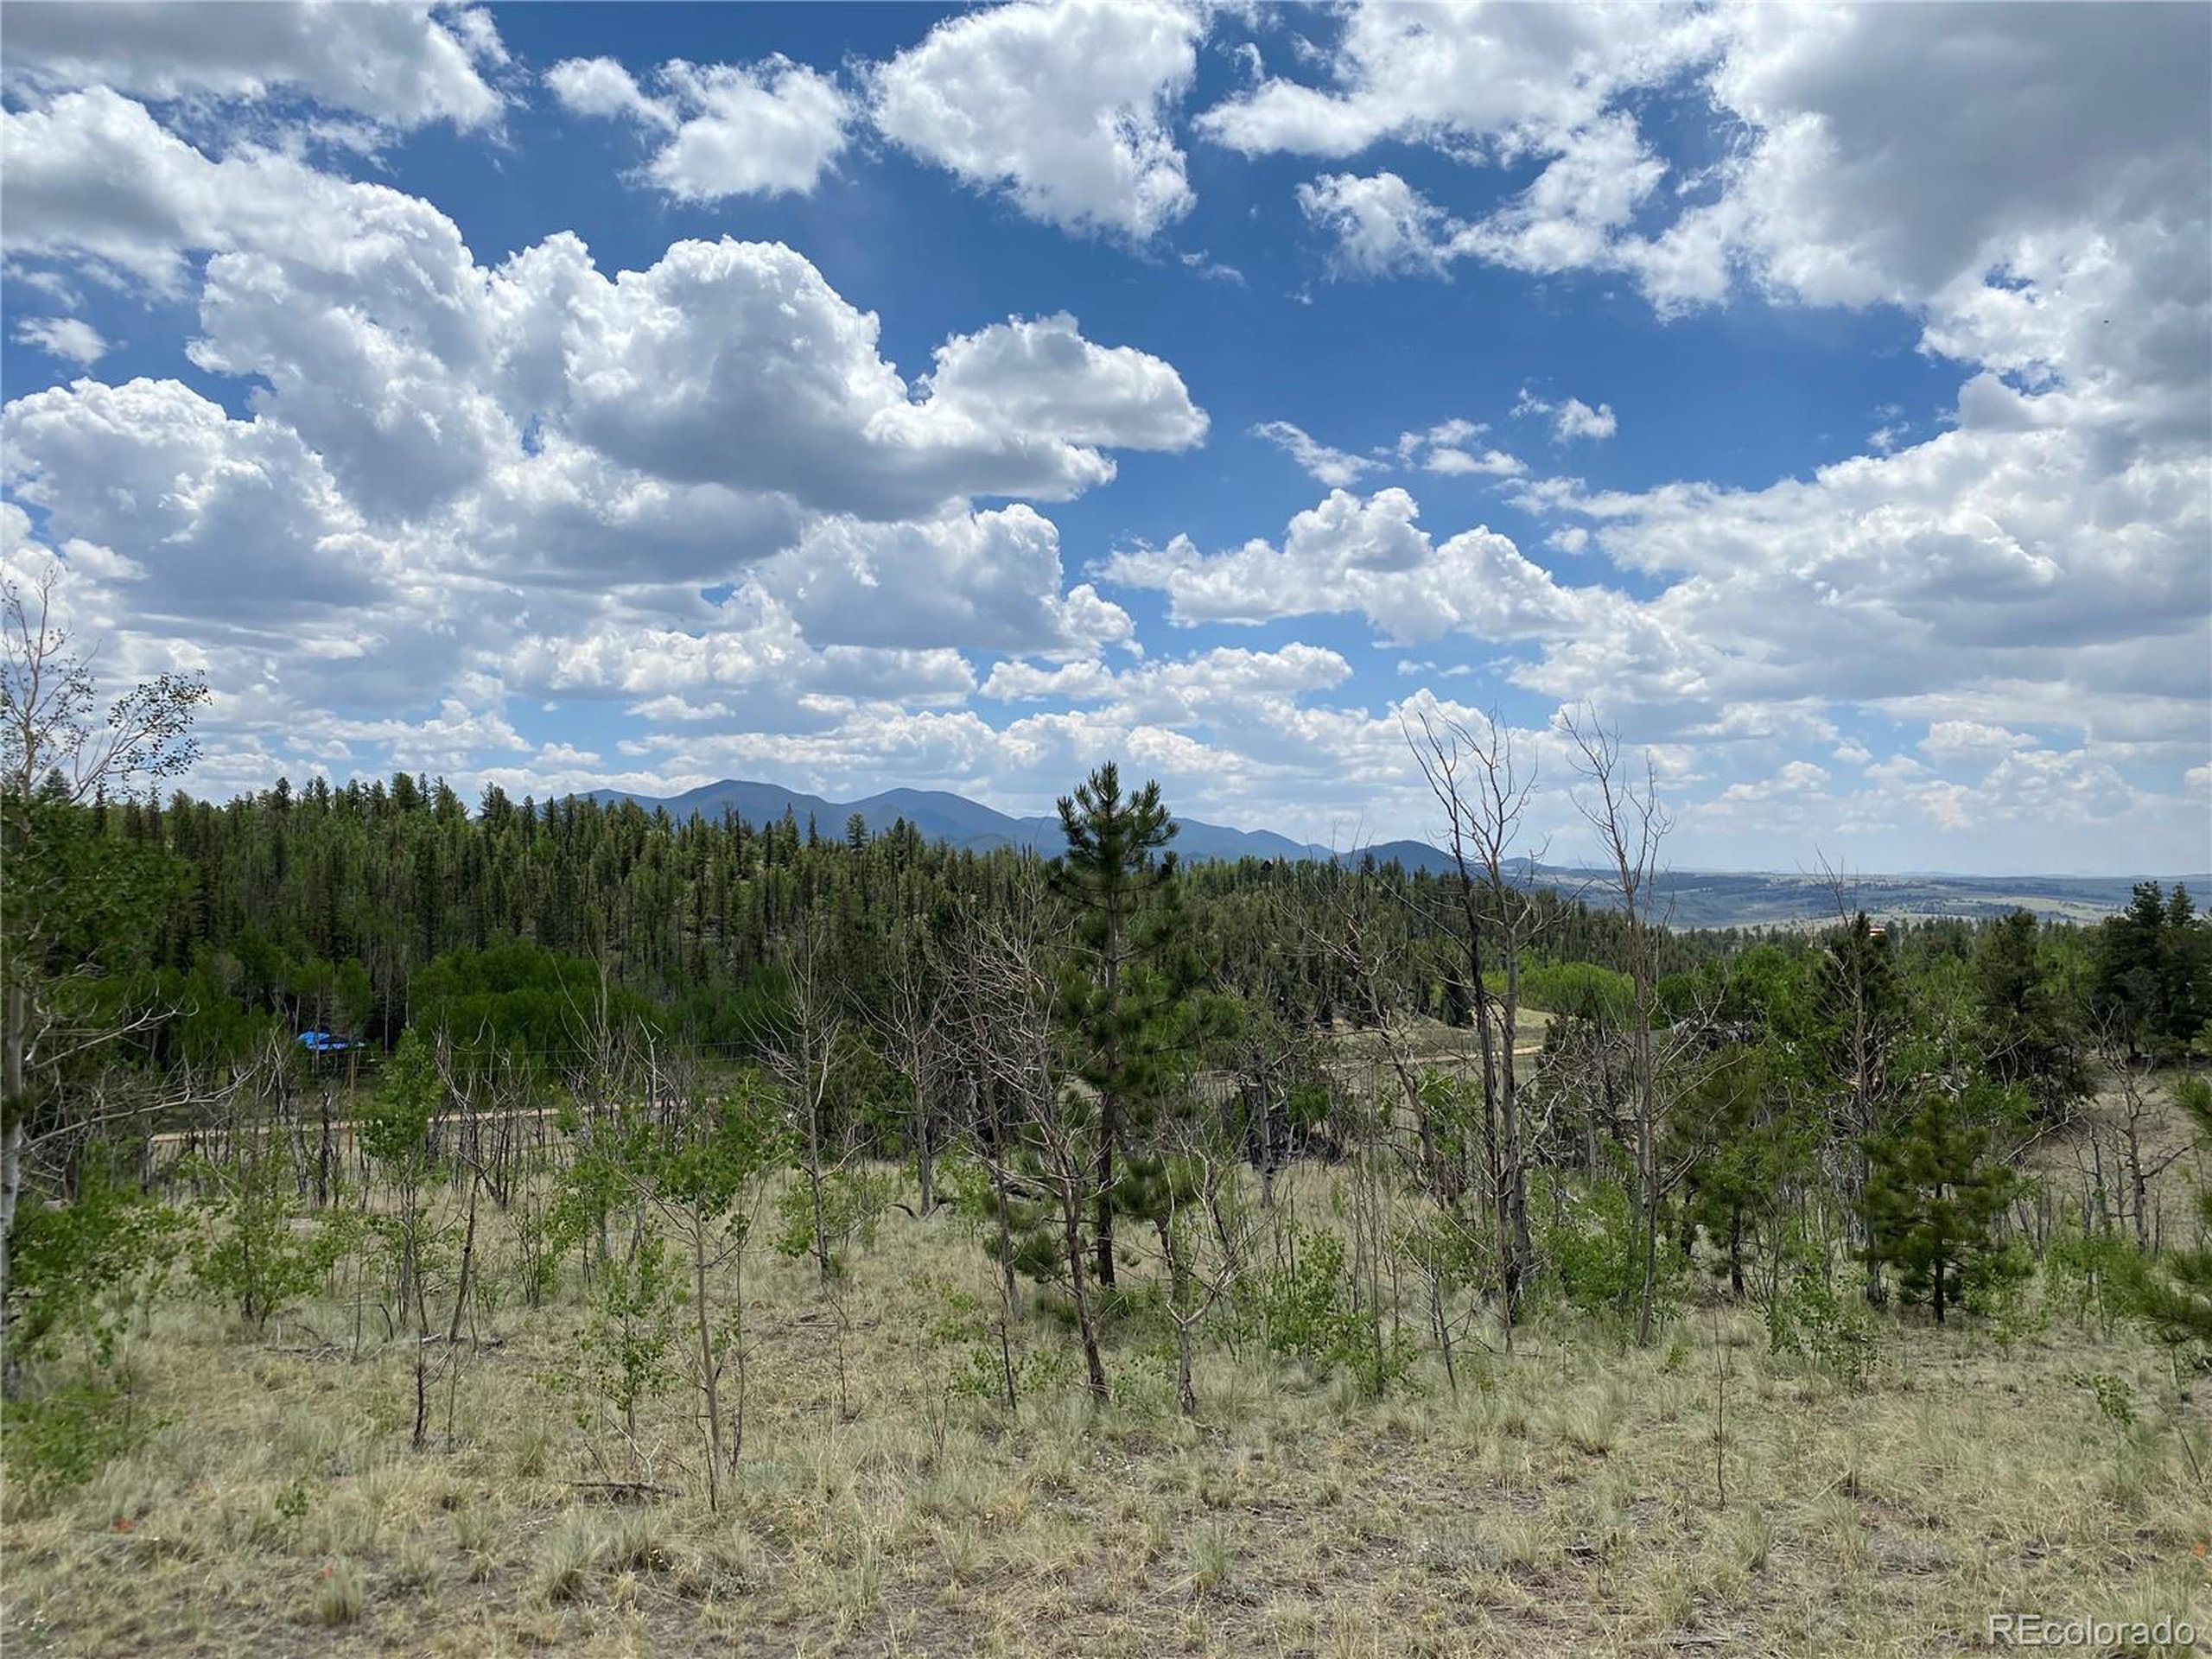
[(1743, 1126), (1858, 1017), (2153, 972), (2027, 1040), (1933, 1196), (1116, 999)]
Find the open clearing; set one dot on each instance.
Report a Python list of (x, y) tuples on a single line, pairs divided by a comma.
[(1562, 1500)]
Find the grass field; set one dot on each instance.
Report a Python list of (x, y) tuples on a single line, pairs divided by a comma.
[(1564, 1499)]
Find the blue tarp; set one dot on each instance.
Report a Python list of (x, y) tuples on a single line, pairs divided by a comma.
[(321, 1042)]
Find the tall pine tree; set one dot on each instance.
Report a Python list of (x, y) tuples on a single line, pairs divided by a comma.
[(1118, 995)]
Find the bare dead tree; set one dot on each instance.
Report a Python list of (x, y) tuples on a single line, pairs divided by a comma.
[(53, 744), (1342, 916), (1345, 918), (1269, 1059), (1619, 799), (489, 1088), (598, 1087), (802, 1059), (1204, 1236), (911, 1020), (1485, 788), (57, 753), (2124, 1122), (1042, 1146)]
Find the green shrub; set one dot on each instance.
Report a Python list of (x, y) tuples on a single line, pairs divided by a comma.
[(259, 1259), (2000, 1287), (969, 1333), (2115, 1400), (2090, 1272), (60, 1439), (1306, 1307), (1579, 990), (622, 1353), (1831, 1330), (82, 1271), (853, 1202), (1592, 1247)]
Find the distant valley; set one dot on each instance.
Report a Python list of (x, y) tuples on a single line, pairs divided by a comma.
[(1688, 898)]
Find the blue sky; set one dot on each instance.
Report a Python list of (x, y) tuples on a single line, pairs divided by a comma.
[(855, 396)]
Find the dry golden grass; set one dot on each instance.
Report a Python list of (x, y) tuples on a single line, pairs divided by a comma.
[(1564, 1502)]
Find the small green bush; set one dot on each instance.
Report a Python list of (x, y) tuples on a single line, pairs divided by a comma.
[(853, 1203), (83, 1271), (258, 1258), (1591, 1246), (2115, 1400), (1834, 1330), (2000, 1287), (1306, 1308), (60, 1439)]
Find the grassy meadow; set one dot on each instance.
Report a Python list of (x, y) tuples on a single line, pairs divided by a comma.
[(1702, 1496)]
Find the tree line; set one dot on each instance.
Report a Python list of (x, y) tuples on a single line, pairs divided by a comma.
[(623, 1040)]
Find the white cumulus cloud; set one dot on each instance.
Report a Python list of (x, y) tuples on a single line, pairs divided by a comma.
[(1368, 557), (772, 128), (402, 64), (1067, 108)]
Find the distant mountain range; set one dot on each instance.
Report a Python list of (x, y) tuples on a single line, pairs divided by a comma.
[(1688, 898), (939, 816)]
